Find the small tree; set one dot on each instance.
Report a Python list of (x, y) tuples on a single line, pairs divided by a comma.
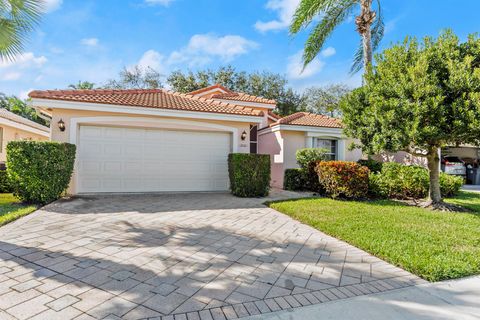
[(419, 98)]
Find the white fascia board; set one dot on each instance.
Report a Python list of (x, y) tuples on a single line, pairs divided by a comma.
[(23, 127), (309, 131), (247, 104), (73, 105)]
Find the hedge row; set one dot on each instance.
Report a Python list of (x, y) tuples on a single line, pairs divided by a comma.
[(39, 172), (249, 174)]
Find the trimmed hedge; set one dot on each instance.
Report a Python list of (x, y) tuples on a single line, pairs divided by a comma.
[(306, 156), (39, 172), (295, 180), (249, 174), (5, 185), (343, 179), (403, 182)]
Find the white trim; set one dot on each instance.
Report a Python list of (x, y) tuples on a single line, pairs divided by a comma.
[(24, 127), (74, 105), (309, 131), (247, 104), (203, 93), (272, 118)]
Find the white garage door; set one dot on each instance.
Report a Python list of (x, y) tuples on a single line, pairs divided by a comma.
[(120, 159)]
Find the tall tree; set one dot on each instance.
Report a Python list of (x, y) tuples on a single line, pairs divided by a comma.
[(325, 100), (82, 85), (136, 78), (330, 14), (265, 84), (17, 19), (21, 108), (419, 98)]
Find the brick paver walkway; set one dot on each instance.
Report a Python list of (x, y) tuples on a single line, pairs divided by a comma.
[(186, 256)]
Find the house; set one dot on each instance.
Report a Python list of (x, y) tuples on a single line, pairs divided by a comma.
[(158, 140), (14, 127)]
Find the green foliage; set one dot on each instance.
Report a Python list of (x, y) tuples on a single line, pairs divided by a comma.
[(136, 78), (306, 156), (399, 181), (5, 185), (249, 174), (20, 107), (39, 171), (18, 18), (450, 185), (328, 15), (325, 100), (372, 165), (264, 84), (343, 179), (295, 180), (82, 85)]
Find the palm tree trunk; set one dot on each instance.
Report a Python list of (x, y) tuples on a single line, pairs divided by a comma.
[(364, 23)]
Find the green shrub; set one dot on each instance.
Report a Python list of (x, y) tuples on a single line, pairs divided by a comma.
[(402, 182), (372, 165), (249, 174), (295, 179), (39, 171), (307, 156), (450, 185), (5, 185), (343, 179)]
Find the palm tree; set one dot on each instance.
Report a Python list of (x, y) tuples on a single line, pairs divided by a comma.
[(332, 13), (82, 85), (17, 19)]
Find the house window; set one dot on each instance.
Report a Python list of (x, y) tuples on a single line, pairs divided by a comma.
[(329, 145), (253, 138)]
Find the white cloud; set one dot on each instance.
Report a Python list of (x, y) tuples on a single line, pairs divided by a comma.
[(152, 59), (9, 76), (26, 60), (202, 48), (285, 10), (24, 94), (295, 69), (328, 52), (89, 42), (164, 3), (51, 5)]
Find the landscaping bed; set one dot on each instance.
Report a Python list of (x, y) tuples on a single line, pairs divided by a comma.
[(433, 245), (11, 208)]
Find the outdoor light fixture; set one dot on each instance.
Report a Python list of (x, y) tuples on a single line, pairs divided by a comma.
[(244, 135), (61, 125)]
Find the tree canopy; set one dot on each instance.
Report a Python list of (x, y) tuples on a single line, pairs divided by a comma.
[(326, 99), (418, 98), (20, 107), (136, 78)]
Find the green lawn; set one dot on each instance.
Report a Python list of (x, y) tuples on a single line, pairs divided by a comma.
[(432, 245), (11, 209)]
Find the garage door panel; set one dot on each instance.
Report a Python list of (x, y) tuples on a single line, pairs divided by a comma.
[(141, 160)]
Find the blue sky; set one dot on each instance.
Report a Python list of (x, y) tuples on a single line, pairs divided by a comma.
[(94, 39)]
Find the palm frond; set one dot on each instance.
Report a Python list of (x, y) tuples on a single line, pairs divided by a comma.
[(306, 11), (17, 19), (335, 15)]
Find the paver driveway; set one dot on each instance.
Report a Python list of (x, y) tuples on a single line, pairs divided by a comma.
[(195, 256)]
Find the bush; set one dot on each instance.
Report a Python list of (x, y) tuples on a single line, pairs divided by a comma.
[(402, 182), (249, 174), (307, 156), (5, 185), (295, 180), (372, 165), (450, 185), (343, 179), (39, 172)]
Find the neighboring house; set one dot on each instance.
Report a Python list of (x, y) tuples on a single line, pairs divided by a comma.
[(14, 127), (158, 140)]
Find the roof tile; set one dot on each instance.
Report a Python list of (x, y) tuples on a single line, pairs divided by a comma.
[(309, 119)]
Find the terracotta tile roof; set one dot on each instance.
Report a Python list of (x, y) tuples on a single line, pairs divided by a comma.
[(274, 115), (215, 86), (309, 119), (148, 98), (4, 113), (240, 96)]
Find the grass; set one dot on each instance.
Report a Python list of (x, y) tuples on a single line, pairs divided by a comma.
[(11, 209), (433, 245)]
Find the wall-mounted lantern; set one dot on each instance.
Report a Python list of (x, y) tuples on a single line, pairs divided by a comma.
[(244, 135), (61, 125)]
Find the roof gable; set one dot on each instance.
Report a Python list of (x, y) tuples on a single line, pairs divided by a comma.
[(309, 119)]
